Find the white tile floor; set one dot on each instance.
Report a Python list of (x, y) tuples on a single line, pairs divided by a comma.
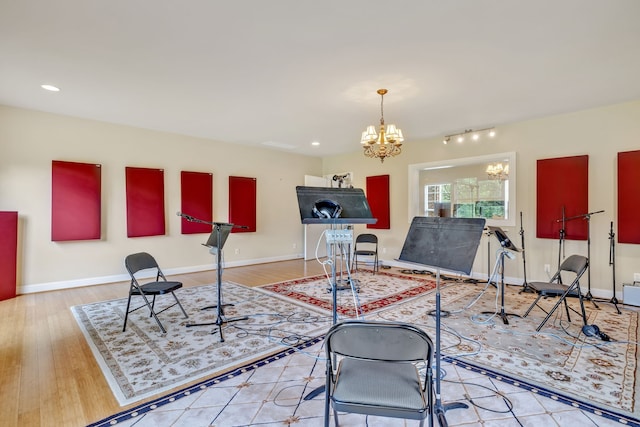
[(272, 395)]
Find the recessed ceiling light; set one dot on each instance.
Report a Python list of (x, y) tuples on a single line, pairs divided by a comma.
[(50, 88), (315, 143)]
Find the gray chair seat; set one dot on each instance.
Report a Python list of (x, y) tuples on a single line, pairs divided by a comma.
[(380, 387)]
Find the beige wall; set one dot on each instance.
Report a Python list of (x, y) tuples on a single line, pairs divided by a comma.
[(599, 133), (30, 140)]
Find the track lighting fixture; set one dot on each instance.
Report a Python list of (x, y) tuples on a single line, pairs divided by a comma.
[(474, 134)]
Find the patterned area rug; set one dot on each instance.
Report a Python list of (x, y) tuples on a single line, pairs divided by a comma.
[(375, 291), (143, 362), (559, 358), (558, 361)]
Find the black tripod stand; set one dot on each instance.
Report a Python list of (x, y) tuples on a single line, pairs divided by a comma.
[(525, 285), (612, 263), (336, 241), (561, 239), (442, 243), (489, 275), (215, 243), (348, 206), (505, 244)]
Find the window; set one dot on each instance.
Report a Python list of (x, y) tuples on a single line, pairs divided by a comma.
[(437, 198), (462, 188)]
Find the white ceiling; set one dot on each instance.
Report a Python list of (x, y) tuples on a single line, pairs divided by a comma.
[(295, 71)]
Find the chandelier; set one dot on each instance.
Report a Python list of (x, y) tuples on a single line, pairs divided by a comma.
[(498, 171), (385, 143)]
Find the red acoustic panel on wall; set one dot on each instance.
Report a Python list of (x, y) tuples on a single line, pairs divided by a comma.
[(242, 203), (562, 183), (628, 197), (8, 254), (145, 202), (196, 190), (378, 198), (75, 201)]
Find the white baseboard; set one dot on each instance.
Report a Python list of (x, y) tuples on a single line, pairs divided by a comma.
[(101, 280)]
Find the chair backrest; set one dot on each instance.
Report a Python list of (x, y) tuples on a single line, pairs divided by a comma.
[(367, 238), (575, 263), (388, 341), (140, 261)]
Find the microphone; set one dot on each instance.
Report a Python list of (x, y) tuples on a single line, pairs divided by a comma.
[(185, 216)]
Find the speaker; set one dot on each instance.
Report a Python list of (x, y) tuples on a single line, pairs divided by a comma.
[(326, 208)]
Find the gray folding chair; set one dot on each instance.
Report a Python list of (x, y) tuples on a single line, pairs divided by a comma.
[(143, 261), (575, 265), (366, 245), (379, 368)]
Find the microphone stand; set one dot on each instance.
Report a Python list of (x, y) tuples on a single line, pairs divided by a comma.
[(561, 240), (220, 317), (525, 286), (500, 264), (587, 216), (489, 274), (612, 263)]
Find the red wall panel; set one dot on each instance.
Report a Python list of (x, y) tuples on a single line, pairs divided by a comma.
[(378, 198), (145, 202), (562, 183), (75, 201), (628, 197), (242, 203), (8, 254), (196, 190)]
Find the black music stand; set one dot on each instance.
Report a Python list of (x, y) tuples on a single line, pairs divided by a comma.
[(355, 210), (505, 243), (215, 243), (449, 244)]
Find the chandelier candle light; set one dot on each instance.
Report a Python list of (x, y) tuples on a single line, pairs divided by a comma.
[(386, 143), (498, 171)]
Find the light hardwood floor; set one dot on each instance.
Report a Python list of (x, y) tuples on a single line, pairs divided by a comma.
[(49, 376)]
